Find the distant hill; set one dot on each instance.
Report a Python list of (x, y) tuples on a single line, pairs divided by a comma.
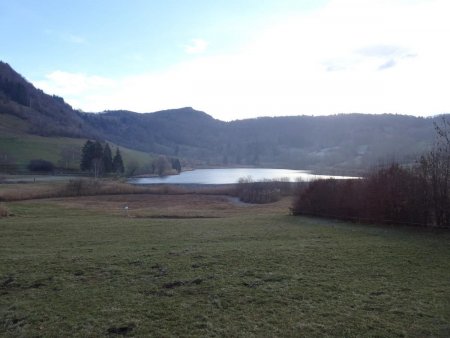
[(34, 125), (181, 132), (340, 142)]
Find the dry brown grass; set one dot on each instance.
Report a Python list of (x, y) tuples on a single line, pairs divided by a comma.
[(89, 187), (27, 191), (176, 206), (165, 201)]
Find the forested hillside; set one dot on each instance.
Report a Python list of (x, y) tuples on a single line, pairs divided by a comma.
[(341, 142), (43, 114)]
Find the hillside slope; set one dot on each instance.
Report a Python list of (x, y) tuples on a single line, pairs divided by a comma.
[(18, 149), (42, 114), (340, 142)]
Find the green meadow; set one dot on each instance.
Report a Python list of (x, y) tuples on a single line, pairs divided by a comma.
[(21, 147), (196, 265)]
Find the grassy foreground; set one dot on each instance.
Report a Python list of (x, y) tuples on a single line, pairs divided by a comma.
[(208, 266)]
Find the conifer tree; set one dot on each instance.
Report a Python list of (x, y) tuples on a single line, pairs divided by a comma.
[(87, 154), (107, 159), (176, 164), (97, 160), (117, 163)]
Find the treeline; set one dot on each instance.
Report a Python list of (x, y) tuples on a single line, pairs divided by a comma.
[(160, 166), (417, 195), (342, 142), (98, 160)]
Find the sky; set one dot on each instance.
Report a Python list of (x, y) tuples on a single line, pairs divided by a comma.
[(234, 59)]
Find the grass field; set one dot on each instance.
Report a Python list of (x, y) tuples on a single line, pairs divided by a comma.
[(24, 147), (194, 265)]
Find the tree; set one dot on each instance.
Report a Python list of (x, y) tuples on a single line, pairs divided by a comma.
[(117, 163), (162, 165), (87, 154), (97, 160), (435, 167), (107, 159), (176, 165), (92, 158)]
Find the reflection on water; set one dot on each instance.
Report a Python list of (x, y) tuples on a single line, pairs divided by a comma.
[(230, 176)]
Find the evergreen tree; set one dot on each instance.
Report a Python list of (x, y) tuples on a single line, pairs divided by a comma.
[(176, 165), (107, 159), (98, 150), (87, 154), (117, 163), (97, 160)]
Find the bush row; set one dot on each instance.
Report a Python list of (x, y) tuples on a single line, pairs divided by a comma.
[(392, 195), (266, 191)]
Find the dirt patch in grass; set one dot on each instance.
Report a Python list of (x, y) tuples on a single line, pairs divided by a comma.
[(179, 283), (121, 330)]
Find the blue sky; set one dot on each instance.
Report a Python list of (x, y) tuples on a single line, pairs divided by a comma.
[(234, 59), (117, 37)]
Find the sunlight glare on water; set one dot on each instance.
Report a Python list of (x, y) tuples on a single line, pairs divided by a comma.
[(231, 176)]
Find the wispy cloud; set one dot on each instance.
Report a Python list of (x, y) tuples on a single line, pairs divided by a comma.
[(196, 46), (384, 56), (389, 55), (389, 64), (350, 56), (382, 51)]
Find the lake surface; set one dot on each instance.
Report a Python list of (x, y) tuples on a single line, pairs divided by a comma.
[(231, 176)]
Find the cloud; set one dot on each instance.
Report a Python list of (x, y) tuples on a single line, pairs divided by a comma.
[(196, 46), (389, 55), (324, 62), (383, 51), (389, 64), (77, 88)]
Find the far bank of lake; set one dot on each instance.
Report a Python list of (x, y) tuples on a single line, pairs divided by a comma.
[(232, 176)]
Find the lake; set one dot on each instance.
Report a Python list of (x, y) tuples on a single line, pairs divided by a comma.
[(231, 176)]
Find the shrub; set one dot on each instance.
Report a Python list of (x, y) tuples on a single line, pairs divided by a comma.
[(392, 195), (267, 191), (41, 166), (330, 198), (81, 187)]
